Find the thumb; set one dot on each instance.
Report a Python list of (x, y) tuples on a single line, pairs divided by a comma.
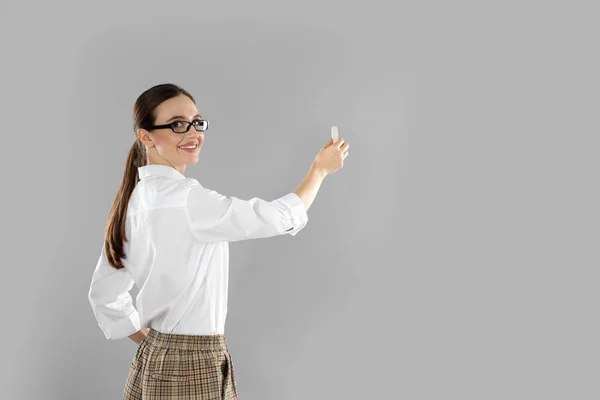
[(329, 142)]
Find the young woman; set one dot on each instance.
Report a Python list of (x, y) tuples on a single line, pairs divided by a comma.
[(169, 235)]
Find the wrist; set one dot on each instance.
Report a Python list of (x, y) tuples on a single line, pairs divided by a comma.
[(318, 172)]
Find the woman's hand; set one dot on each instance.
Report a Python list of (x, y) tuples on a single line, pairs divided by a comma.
[(331, 156), (139, 336)]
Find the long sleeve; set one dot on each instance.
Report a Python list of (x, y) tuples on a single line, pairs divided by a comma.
[(214, 217), (111, 302)]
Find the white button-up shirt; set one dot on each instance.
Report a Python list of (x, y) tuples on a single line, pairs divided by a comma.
[(178, 254)]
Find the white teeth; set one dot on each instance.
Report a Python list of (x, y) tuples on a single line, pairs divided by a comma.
[(187, 147)]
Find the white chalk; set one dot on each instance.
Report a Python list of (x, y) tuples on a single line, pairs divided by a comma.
[(334, 133)]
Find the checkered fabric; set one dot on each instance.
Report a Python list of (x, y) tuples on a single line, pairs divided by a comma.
[(175, 366)]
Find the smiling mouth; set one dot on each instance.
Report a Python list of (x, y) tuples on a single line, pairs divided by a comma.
[(189, 147)]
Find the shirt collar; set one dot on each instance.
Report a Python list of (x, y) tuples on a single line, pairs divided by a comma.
[(159, 169)]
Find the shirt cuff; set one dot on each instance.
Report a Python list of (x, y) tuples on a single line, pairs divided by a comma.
[(122, 328), (297, 211)]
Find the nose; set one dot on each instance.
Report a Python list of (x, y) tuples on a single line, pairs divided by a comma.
[(192, 134)]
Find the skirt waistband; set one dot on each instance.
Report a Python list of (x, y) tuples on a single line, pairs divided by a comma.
[(185, 342)]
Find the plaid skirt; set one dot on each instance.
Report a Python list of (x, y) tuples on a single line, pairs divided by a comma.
[(175, 366)]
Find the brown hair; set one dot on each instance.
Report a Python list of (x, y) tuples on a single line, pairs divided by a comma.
[(143, 115)]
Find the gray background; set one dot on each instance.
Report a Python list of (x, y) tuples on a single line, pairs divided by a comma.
[(451, 257)]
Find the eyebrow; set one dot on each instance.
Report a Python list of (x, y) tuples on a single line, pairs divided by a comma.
[(182, 117)]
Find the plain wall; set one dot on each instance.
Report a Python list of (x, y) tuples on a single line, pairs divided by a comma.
[(453, 257)]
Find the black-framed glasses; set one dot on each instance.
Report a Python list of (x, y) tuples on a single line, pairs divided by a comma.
[(200, 125)]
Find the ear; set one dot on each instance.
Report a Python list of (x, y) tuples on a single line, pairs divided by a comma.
[(144, 137)]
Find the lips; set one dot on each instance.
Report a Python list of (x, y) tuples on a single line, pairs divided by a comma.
[(189, 144)]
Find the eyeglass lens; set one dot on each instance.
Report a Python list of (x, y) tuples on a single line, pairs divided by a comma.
[(183, 126)]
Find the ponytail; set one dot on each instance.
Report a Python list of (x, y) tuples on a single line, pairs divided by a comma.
[(115, 235)]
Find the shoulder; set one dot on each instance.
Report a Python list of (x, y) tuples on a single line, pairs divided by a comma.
[(159, 192), (191, 183), (190, 186), (193, 189)]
